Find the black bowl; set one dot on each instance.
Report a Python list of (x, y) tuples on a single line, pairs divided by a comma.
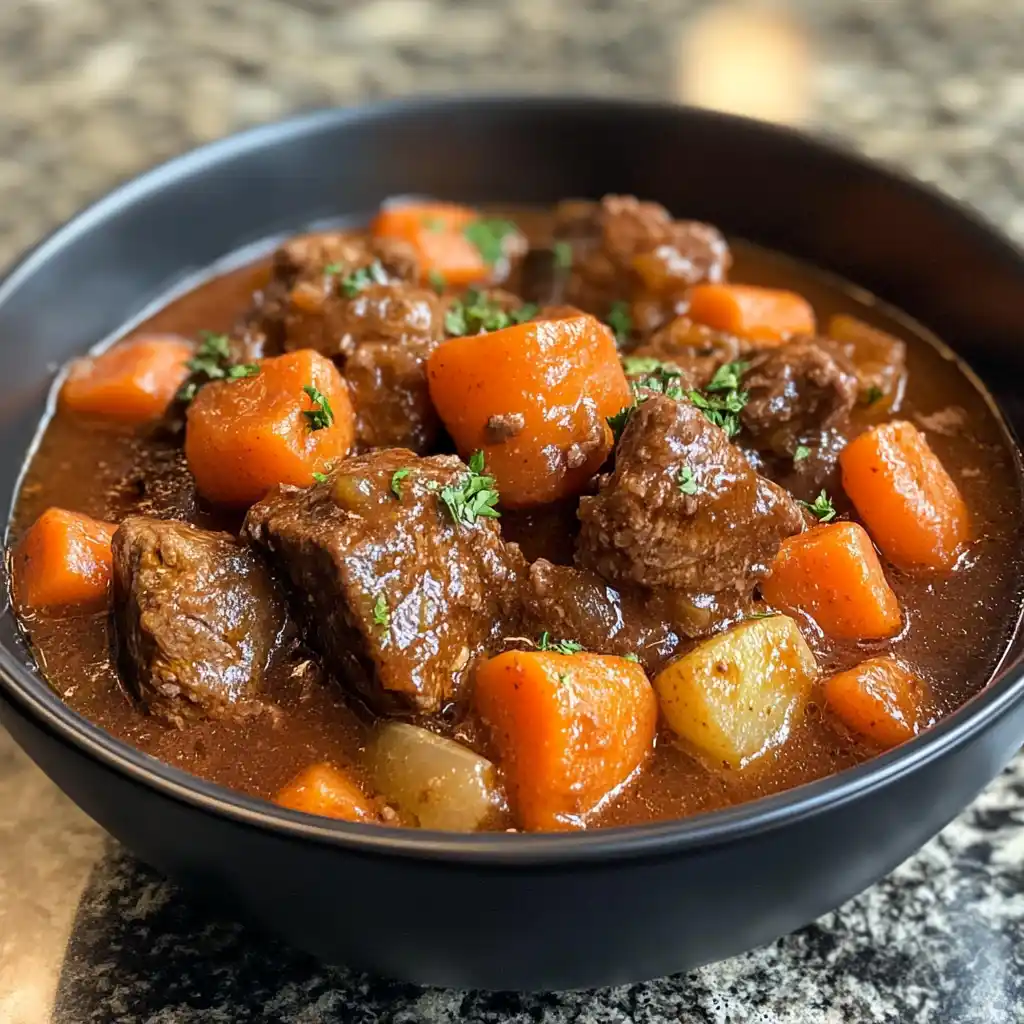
[(495, 911)]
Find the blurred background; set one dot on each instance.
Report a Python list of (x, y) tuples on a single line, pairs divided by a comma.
[(95, 90)]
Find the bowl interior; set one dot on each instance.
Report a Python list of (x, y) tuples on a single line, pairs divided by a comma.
[(909, 246)]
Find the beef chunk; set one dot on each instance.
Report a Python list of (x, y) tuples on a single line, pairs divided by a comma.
[(796, 391), (388, 386), (196, 616), (696, 350), (645, 526), (576, 604), (626, 250), (396, 596)]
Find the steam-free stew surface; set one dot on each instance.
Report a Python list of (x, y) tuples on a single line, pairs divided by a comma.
[(955, 625)]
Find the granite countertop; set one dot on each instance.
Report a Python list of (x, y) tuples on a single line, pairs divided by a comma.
[(95, 90)]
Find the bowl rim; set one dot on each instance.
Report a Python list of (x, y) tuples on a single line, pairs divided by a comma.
[(31, 695)]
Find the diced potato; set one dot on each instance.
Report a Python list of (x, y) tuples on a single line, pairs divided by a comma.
[(735, 696), (434, 781)]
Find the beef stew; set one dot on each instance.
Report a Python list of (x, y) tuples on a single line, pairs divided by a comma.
[(518, 520)]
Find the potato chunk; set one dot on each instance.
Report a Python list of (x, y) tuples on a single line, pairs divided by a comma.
[(735, 696)]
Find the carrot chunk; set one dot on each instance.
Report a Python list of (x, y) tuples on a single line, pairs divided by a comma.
[(289, 421), (903, 493), (535, 398), (833, 574), (63, 559), (132, 382), (452, 241), (763, 314), (879, 699), (571, 730), (327, 792)]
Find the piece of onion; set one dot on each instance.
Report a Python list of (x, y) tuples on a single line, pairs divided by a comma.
[(436, 782)]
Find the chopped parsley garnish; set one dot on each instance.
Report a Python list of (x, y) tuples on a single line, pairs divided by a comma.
[(562, 252), (320, 477), (687, 482), (437, 281), (650, 375), (474, 497), (322, 415), (620, 419), (619, 320), (634, 366), (630, 657), (821, 507), (396, 480), (873, 394), (545, 643), (801, 452), (759, 615), (213, 361), (363, 277), (721, 400), (433, 224), (475, 312), (488, 235), (381, 612), (332, 268)]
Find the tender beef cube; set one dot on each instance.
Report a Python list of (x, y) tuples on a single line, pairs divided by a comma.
[(645, 527), (796, 391), (576, 604), (698, 351), (626, 250), (397, 597), (322, 318), (388, 386), (197, 618), (308, 257)]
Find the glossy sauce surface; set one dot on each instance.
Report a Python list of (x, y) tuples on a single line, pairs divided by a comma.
[(956, 628)]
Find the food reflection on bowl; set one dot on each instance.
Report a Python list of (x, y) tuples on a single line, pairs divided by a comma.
[(533, 515)]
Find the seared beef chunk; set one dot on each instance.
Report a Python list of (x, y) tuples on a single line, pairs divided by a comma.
[(576, 604), (695, 349), (397, 596), (682, 508), (388, 387), (629, 251), (197, 618), (796, 390)]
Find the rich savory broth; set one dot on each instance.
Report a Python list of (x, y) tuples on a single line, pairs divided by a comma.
[(955, 627)]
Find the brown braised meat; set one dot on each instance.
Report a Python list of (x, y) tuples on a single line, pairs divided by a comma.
[(795, 392), (397, 596), (624, 250), (697, 351), (197, 618), (576, 604), (683, 509)]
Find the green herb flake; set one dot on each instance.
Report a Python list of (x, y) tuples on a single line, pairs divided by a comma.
[(322, 415), (396, 481), (381, 612), (801, 452), (721, 400), (873, 394), (687, 482), (361, 279), (630, 657), (545, 643), (620, 321), (436, 280), (620, 419), (822, 508), (489, 236), (475, 313), (330, 269), (474, 497), (212, 361), (433, 224), (562, 253), (320, 478)]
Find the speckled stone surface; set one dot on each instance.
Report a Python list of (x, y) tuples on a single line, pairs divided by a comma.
[(94, 90)]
